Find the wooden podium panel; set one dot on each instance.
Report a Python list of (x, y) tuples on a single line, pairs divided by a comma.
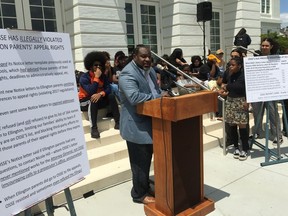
[(178, 153), (182, 107)]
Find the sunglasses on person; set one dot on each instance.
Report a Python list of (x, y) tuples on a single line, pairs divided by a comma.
[(98, 66)]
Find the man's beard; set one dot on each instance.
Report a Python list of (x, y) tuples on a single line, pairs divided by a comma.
[(146, 69)]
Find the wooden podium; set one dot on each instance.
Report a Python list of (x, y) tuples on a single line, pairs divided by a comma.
[(178, 153)]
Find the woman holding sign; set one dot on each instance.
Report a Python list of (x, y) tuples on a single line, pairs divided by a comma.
[(268, 47)]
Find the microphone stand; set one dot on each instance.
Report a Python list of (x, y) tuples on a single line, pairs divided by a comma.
[(204, 87), (204, 46), (184, 74)]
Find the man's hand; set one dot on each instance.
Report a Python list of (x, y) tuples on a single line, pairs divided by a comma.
[(223, 86), (222, 92), (246, 106), (97, 73), (95, 97), (165, 94)]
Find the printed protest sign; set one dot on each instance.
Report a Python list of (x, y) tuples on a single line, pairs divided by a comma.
[(266, 78), (42, 146)]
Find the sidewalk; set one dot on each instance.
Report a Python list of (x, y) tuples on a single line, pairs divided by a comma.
[(239, 188)]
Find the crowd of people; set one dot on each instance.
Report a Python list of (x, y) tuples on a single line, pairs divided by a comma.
[(136, 79), (98, 88)]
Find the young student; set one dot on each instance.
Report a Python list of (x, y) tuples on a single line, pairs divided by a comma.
[(95, 91), (186, 82), (166, 77), (177, 60), (196, 63), (209, 71), (221, 65), (215, 85), (236, 107), (121, 62), (230, 135)]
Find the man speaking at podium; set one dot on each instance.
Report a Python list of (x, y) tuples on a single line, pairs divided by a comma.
[(137, 84)]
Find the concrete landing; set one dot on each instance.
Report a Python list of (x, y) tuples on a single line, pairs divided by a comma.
[(239, 188)]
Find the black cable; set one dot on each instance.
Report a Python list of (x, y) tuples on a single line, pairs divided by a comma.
[(200, 26)]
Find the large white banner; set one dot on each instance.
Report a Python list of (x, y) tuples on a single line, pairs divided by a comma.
[(266, 78), (42, 146)]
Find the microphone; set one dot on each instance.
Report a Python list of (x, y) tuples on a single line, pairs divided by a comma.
[(178, 70), (159, 66), (167, 78), (172, 75)]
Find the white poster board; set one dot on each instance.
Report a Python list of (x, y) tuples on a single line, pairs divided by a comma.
[(266, 78), (42, 145)]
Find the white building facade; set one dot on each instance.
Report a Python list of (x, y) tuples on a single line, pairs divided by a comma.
[(113, 25)]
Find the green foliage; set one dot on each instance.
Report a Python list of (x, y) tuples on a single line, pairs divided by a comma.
[(282, 41)]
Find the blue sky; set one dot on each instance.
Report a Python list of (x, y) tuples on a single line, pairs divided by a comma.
[(284, 12), (283, 6)]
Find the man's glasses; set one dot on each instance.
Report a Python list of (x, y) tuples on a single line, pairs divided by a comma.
[(98, 66)]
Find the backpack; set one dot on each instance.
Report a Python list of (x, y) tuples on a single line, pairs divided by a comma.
[(78, 74), (239, 41), (242, 40)]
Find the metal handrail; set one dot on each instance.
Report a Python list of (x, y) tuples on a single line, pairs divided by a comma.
[(223, 125), (184, 74), (204, 87)]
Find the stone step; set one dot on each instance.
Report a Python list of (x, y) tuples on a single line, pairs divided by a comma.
[(108, 157), (106, 138), (103, 124), (100, 177), (107, 154), (112, 172), (212, 140), (211, 125)]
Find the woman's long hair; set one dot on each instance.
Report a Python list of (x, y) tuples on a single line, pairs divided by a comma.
[(177, 53), (273, 43)]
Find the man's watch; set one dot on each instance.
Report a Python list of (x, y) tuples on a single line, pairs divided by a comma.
[(101, 93)]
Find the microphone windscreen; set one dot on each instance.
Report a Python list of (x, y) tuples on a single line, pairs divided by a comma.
[(159, 66)]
